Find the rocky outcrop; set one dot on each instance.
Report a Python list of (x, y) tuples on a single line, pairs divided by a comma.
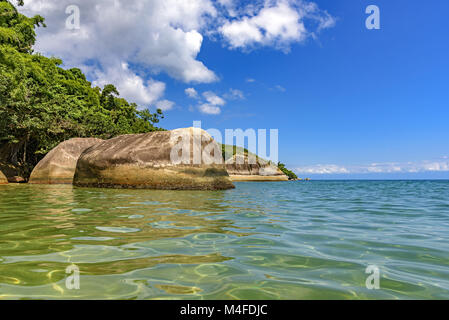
[(58, 166), (251, 168), (3, 179), (182, 159)]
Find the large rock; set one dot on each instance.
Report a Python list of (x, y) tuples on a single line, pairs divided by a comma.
[(152, 161), (58, 166), (242, 167), (3, 179)]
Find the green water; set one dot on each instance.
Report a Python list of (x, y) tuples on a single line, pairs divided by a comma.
[(280, 240)]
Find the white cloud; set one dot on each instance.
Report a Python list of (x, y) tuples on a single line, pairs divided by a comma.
[(250, 80), (241, 33), (209, 109), (156, 36), (436, 166), (130, 85), (191, 93), (165, 105), (213, 99), (230, 6), (389, 167), (280, 88), (234, 94), (211, 104), (163, 36), (160, 34), (277, 23), (322, 169)]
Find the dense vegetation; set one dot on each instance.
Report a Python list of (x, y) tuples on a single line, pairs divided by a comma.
[(290, 174), (42, 104)]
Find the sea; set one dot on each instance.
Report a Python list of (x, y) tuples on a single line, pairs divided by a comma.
[(263, 240)]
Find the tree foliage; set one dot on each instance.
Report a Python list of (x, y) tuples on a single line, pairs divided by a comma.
[(42, 104), (290, 174)]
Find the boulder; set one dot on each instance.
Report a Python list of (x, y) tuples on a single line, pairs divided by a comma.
[(242, 167), (58, 166), (3, 179), (182, 159)]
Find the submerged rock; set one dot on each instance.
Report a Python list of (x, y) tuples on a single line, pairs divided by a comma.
[(251, 168), (182, 159), (58, 166), (3, 179)]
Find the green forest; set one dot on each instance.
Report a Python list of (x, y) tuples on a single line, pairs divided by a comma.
[(290, 174), (42, 104)]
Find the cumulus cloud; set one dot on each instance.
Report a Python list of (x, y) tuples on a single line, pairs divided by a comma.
[(208, 108), (322, 169), (155, 36), (191, 93), (130, 85), (436, 166), (208, 103), (160, 34), (212, 104), (277, 23), (389, 167), (213, 99), (234, 94), (164, 36), (230, 7), (165, 105)]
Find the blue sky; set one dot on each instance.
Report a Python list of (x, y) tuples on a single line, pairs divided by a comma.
[(348, 102)]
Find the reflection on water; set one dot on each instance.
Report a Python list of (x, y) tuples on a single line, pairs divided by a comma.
[(260, 241)]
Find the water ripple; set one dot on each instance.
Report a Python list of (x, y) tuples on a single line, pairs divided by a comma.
[(291, 240)]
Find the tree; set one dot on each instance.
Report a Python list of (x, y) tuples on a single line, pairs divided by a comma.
[(17, 29), (290, 174)]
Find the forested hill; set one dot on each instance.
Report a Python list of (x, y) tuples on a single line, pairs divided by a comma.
[(42, 104)]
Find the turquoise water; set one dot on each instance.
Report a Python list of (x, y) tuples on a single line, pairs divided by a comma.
[(279, 240)]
